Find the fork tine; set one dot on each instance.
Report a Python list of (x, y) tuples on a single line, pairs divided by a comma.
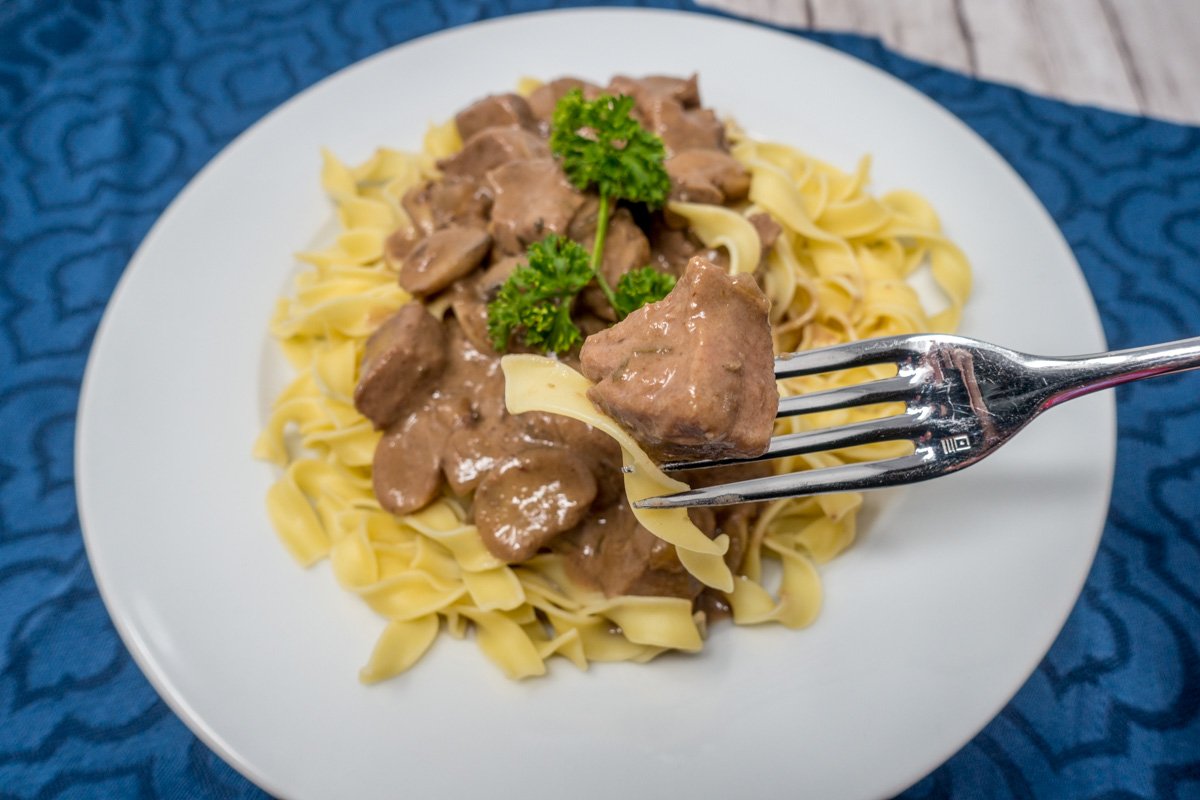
[(881, 391), (845, 356), (846, 478), (901, 426)]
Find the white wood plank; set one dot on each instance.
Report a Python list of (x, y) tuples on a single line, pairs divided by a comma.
[(929, 30), (1139, 56), (1081, 53), (1005, 43), (793, 13), (1064, 48), (1160, 40)]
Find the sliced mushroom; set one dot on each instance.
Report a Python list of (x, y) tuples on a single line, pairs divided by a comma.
[(434, 205), (530, 499), (443, 258), (406, 471)]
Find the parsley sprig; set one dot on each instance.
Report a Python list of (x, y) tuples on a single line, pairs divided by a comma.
[(536, 299), (640, 286), (601, 146)]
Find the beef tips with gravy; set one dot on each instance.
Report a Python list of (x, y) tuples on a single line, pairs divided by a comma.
[(497, 111), (693, 375), (400, 363), (533, 199), (543, 99), (530, 498), (670, 108), (612, 552), (492, 147), (689, 376), (707, 176)]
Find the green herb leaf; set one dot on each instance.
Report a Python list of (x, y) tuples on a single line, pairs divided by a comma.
[(601, 145), (534, 304), (638, 287)]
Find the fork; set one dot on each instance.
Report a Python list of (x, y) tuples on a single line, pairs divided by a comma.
[(963, 399)]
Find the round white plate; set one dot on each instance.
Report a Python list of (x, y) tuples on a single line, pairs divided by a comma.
[(932, 621)]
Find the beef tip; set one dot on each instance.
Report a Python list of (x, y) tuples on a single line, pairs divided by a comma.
[(670, 108), (683, 130), (625, 248), (495, 111), (612, 552), (691, 376), (768, 230), (469, 300), (401, 361), (492, 147), (476, 448), (406, 470), (685, 91), (533, 198), (530, 499), (443, 258), (472, 386), (673, 247), (434, 205), (707, 176), (543, 99)]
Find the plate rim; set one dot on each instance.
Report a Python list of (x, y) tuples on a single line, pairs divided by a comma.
[(152, 667)]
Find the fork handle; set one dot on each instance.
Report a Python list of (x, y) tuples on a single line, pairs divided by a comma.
[(1082, 375)]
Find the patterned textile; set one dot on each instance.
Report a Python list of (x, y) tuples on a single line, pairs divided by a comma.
[(108, 107)]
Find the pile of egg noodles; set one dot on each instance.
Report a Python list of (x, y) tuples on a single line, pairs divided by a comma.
[(839, 272)]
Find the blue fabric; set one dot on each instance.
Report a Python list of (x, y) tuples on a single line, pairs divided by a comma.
[(108, 107)]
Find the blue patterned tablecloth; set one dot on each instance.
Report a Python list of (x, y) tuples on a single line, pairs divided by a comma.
[(108, 107)]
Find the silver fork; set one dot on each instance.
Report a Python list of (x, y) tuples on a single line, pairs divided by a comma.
[(964, 399)]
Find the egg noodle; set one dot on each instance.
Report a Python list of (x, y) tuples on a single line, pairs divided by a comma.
[(838, 272)]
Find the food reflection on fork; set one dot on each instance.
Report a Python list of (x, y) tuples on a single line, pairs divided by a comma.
[(963, 399)]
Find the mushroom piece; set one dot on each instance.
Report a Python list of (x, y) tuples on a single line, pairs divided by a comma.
[(442, 258)]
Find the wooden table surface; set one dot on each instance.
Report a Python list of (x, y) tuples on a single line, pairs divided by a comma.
[(1137, 56)]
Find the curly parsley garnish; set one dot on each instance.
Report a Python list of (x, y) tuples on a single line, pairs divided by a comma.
[(640, 286), (601, 146), (535, 301)]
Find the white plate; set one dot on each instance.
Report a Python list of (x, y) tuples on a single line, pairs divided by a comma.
[(932, 620)]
